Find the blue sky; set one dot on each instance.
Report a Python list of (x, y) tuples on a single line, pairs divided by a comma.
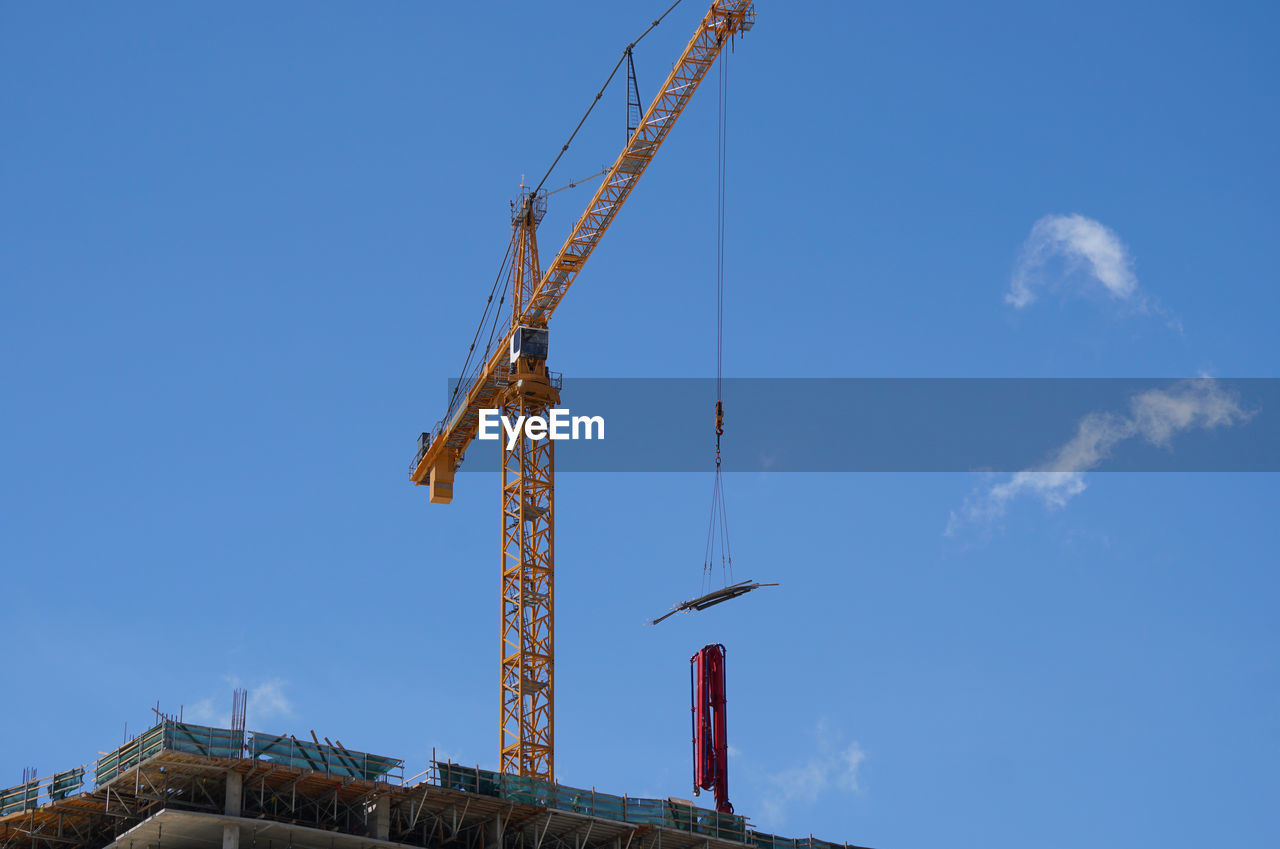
[(244, 247)]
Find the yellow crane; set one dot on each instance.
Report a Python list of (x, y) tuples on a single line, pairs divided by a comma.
[(515, 380)]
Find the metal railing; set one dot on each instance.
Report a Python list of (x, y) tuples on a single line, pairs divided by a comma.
[(773, 841), (321, 758), (20, 798), (666, 813), (206, 742), (26, 796)]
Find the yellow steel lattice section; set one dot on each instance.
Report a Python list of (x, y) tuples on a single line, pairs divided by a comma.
[(525, 270), (527, 672), (528, 597)]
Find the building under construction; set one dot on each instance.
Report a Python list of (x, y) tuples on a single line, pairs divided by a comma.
[(185, 786)]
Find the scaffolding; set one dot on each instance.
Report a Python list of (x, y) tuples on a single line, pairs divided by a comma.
[(184, 786), (667, 813)]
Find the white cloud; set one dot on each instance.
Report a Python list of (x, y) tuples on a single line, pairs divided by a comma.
[(1087, 246), (835, 766), (1154, 416), (266, 702)]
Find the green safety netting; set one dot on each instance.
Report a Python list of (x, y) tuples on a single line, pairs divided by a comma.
[(66, 783), (531, 791), (203, 740), (321, 758), (130, 754), (773, 841), (210, 742), (19, 798)]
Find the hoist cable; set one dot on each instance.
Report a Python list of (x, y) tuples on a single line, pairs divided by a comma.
[(721, 131), (718, 524)]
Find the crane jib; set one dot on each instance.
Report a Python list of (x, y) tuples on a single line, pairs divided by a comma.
[(444, 447)]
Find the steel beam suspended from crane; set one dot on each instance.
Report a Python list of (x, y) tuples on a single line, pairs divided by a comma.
[(515, 378), (713, 598)]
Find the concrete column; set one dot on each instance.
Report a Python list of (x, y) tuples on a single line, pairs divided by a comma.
[(235, 794), (493, 833), (382, 818), (235, 797)]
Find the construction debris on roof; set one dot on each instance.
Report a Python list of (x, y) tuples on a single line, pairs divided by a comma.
[(713, 598)]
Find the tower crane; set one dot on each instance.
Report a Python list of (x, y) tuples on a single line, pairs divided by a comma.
[(515, 380)]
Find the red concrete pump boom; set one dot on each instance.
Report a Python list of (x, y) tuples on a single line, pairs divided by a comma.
[(710, 743)]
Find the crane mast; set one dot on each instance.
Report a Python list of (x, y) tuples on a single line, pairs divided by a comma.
[(527, 650), (516, 380)]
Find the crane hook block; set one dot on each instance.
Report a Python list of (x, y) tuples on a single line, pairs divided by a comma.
[(719, 418)]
